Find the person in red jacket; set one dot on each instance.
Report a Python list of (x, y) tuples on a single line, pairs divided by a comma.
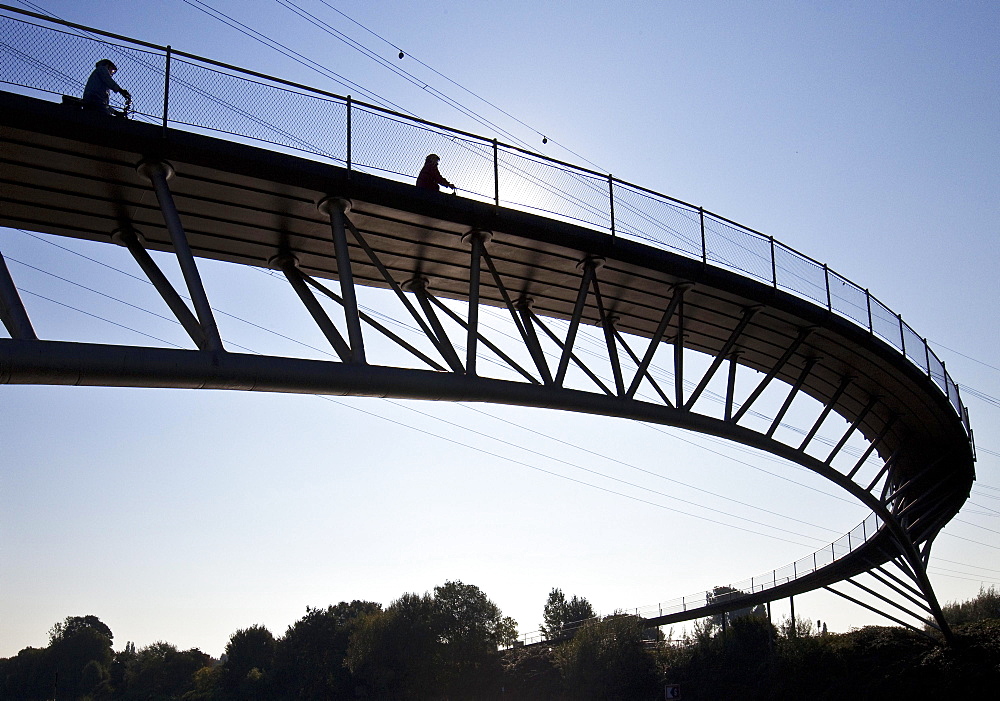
[(430, 177)]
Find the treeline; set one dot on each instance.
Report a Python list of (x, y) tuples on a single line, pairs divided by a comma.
[(448, 645)]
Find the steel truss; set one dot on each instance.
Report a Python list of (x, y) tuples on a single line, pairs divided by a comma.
[(910, 493)]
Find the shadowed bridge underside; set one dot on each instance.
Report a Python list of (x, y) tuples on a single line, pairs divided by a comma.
[(83, 175)]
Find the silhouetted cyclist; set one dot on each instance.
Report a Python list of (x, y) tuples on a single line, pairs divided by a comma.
[(430, 177), (97, 93)]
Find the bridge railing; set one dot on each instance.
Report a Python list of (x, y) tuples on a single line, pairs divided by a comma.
[(733, 592), (178, 89)]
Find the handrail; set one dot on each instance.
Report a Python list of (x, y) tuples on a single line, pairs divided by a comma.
[(505, 173), (803, 567)]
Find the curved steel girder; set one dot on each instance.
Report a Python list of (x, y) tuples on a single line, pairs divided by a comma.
[(65, 363)]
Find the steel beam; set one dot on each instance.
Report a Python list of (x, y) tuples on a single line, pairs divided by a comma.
[(12, 311), (734, 336), (289, 266), (336, 208), (133, 242), (657, 337), (589, 265), (158, 173), (806, 369)]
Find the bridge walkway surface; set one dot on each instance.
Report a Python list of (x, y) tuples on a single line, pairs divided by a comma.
[(152, 188)]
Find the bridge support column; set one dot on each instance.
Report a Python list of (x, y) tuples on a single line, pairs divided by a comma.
[(158, 173), (337, 208), (477, 239)]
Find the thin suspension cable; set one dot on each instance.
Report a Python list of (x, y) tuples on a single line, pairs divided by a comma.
[(595, 472), (290, 53), (460, 86)]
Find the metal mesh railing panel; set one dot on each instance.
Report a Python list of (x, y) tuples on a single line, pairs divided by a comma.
[(885, 325), (736, 248), (531, 183), (914, 347), (667, 224), (937, 372), (57, 60), (60, 62), (398, 148), (848, 299), (801, 275), (216, 100)]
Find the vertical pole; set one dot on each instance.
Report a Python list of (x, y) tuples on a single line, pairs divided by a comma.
[(731, 386), (774, 265), (475, 268), (679, 357), (158, 173), (868, 301), (902, 336), (496, 172), (791, 603), (704, 247), (166, 91), (927, 357), (611, 194), (337, 209), (826, 278), (349, 144)]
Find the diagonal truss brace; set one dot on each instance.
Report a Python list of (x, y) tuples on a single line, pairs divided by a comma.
[(12, 311), (158, 173)]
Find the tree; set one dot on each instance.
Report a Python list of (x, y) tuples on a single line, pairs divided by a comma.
[(471, 628), (74, 644), (723, 594), (396, 653), (562, 617), (161, 670), (607, 659), (467, 618), (310, 659), (249, 649), (74, 624), (26, 676), (984, 606)]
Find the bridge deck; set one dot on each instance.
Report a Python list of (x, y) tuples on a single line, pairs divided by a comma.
[(73, 173)]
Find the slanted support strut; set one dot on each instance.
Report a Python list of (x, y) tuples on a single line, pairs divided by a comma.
[(136, 246), (158, 173), (12, 311)]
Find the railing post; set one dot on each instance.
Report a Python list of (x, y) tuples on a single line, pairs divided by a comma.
[(704, 248), (611, 195), (826, 278), (927, 357), (868, 301), (496, 172), (349, 103), (166, 90), (902, 336), (774, 265)]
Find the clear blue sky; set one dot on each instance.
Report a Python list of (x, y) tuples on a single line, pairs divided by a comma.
[(863, 134)]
